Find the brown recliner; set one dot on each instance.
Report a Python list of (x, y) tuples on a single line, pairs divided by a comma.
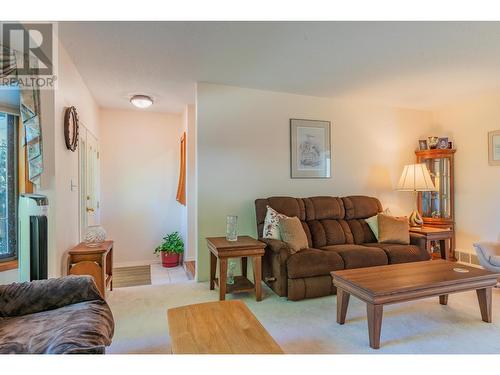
[(339, 238)]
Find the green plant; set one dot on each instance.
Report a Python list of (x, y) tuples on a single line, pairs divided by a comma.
[(172, 243)]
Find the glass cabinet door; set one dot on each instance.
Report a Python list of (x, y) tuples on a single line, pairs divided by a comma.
[(437, 204)]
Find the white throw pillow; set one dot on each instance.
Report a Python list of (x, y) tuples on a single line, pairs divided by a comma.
[(271, 224)]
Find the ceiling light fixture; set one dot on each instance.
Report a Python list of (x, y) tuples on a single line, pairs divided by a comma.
[(141, 101)]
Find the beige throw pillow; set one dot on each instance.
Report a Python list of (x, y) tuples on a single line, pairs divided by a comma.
[(393, 229), (293, 234)]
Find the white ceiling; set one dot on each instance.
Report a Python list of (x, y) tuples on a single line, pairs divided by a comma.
[(407, 64)]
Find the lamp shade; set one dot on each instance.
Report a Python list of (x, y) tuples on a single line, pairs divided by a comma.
[(415, 177)]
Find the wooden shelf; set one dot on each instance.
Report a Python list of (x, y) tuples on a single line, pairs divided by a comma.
[(241, 284)]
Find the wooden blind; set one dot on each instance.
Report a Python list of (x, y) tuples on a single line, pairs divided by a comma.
[(181, 189)]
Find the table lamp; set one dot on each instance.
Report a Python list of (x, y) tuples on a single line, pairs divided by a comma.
[(415, 178)]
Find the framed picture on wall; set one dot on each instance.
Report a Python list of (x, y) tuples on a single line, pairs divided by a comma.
[(494, 147), (310, 149)]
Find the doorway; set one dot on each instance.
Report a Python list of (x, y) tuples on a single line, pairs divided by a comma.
[(89, 165)]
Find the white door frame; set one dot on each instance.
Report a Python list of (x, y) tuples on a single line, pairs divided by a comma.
[(83, 181)]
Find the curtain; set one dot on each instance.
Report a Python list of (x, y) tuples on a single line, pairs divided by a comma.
[(181, 188), (10, 61)]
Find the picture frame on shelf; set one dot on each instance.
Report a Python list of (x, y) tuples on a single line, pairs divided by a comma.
[(310, 149), (442, 143), (494, 148), (422, 144)]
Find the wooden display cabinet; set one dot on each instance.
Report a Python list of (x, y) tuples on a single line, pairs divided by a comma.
[(438, 207)]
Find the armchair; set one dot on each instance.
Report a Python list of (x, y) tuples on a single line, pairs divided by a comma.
[(55, 316), (488, 254)]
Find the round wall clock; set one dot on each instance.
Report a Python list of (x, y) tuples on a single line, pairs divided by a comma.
[(71, 128)]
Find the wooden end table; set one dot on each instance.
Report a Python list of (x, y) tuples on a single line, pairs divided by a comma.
[(428, 234), (245, 247), (395, 283), (94, 261)]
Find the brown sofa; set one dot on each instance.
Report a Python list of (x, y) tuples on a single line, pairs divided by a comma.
[(339, 238)]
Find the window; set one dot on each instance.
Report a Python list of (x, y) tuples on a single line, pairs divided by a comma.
[(8, 186)]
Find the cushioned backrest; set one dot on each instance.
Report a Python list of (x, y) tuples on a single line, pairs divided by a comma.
[(318, 208), (361, 232), (361, 207), (329, 232), (358, 208), (288, 206), (324, 216)]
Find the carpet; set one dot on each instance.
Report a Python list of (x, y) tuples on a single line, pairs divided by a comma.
[(131, 276), (309, 326)]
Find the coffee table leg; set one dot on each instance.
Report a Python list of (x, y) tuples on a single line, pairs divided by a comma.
[(484, 298), (342, 304), (257, 277), (443, 300), (374, 313), (222, 278), (213, 268)]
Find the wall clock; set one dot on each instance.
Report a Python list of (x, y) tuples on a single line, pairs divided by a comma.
[(71, 128)]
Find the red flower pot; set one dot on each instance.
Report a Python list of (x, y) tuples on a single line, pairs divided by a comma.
[(169, 259)]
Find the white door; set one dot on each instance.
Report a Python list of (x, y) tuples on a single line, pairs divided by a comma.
[(89, 181)]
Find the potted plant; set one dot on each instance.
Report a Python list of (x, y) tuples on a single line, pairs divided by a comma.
[(171, 249)]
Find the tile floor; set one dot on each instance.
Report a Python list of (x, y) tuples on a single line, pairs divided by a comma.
[(161, 275)]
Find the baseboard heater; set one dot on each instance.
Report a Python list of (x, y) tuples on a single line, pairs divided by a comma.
[(33, 237)]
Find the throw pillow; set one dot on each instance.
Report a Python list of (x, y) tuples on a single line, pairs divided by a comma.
[(293, 234), (393, 229), (271, 224), (373, 222)]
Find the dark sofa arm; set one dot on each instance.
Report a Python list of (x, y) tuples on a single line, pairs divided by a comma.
[(41, 295), (418, 241), (278, 247)]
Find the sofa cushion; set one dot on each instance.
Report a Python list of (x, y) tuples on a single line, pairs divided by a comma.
[(361, 207), (357, 256), (393, 229), (293, 234), (284, 205), (329, 232), (313, 262), (398, 253), (318, 208), (271, 224), (77, 328), (361, 231)]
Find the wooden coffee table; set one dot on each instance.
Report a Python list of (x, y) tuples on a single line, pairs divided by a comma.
[(224, 327), (383, 285)]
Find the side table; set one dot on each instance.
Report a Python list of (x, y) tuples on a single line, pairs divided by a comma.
[(428, 234), (94, 261), (245, 247)]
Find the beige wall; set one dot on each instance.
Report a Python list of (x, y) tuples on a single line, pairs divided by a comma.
[(72, 91), (139, 175), (60, 164), (477, 185), (244, 153)]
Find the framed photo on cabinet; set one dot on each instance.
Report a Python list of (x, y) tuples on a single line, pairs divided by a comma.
[(494, 147), (310, 149)]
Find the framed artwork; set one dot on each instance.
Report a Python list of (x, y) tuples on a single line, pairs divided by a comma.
[(422, 144), (443, 143), (310, 149), (494, 147)]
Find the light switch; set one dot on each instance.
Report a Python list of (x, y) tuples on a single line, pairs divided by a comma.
[(73, 186)]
